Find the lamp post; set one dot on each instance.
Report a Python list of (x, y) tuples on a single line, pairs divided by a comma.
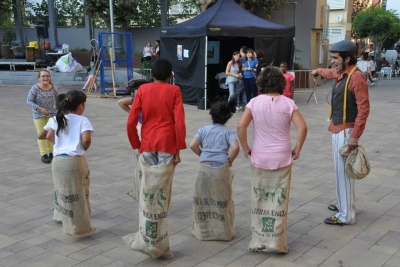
[(112, 31)]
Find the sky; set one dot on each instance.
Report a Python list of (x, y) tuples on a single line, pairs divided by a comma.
[(393, 4)]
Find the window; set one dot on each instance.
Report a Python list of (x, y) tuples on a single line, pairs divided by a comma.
[(336, 4), (334, 31)]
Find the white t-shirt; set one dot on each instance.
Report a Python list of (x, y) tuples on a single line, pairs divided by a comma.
[(372, 64), (69, 141), (363, 65)]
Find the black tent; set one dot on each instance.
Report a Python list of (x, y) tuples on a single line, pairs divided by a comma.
[(201, 47)]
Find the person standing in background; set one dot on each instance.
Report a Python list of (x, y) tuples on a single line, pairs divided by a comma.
[(233, 71), (249, 74)]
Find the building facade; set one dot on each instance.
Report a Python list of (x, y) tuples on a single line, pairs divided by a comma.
[(310, 19)]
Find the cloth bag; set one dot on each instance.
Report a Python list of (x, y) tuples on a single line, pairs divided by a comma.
[(213, 207), (269, 206), (137, 177), (357, 162), (67, 63), (71, 178), (152, 238)]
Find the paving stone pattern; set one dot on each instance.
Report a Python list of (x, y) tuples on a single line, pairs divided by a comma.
[(29, 237)]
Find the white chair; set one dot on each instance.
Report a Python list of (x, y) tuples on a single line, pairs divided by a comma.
[(223, 88), (386, 71)]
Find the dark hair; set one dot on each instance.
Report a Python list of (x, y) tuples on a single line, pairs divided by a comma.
[(161, 69), (283, 63), (221, 111), (59, 99), (71, 102), (264, 65), (353, 59), (271, 80), (136, 84), (365, 56), (158, 41), (239, 62), (243, 49), (249, 50), (259, 53)]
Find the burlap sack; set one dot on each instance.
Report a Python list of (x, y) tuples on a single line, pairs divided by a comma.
[(357, 162), (56, 213), (269, 207), (71, 178), (137, 177), (152, 238), (213, 207)]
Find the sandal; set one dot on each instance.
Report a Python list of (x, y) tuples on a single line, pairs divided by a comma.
[(333, 220)]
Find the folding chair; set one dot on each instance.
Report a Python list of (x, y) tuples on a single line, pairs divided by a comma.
[(223, 89)]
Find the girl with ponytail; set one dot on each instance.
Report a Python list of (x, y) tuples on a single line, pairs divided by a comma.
[(71, 135)]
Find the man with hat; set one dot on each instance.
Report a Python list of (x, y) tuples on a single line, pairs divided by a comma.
[(349, 113)]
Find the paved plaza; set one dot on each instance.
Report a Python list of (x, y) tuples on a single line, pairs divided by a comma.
[(29, 237)]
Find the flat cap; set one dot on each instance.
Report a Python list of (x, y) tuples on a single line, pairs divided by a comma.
[(345, 46)]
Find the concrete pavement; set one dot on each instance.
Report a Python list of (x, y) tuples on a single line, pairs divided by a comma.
[(29, 238)]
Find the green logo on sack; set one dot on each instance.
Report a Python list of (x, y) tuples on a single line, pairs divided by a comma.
[(158, 197), (151, 229), (268, 224), (277, 196)]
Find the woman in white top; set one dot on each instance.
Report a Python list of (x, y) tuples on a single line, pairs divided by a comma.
[(365, 67), (147, 52), (71, 135), (233, 71)]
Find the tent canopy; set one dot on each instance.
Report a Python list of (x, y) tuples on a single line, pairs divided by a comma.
[(230, 26), (227, 18)]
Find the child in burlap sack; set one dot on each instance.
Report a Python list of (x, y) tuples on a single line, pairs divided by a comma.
[(217, 146), (71, 135), (271, 158), (163, 135)]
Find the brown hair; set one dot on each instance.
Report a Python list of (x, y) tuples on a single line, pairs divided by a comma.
[(249, 50), (239, 62), (271, 80)]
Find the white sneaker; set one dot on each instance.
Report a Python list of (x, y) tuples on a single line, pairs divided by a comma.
[(83, 89), (237, 108), (372, 84)]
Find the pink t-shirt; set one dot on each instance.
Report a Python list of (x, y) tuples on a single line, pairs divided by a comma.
[(272, 116), (289, 78)]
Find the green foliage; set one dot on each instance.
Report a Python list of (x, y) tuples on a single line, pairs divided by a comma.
[(254, 5), (8, 37), (6, 14), (377, 24), (140, 13), (266, 5), (358, 6), (69, 12)]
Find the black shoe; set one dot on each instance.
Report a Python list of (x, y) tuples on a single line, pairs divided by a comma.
[(46, 159), (333, 207), (333, 221), (51, 156)]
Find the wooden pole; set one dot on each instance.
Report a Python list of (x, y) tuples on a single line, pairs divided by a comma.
[(94, 77)]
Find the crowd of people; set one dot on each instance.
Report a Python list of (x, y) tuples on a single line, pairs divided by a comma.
[(268, 103)]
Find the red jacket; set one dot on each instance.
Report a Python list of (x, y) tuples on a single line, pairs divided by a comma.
[(163, 125)]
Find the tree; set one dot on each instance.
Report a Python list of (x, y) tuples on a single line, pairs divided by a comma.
[(377, 24), (137, 12), (266, 5), (69, 12), (6, 12), (358, 6), (253, 5)]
